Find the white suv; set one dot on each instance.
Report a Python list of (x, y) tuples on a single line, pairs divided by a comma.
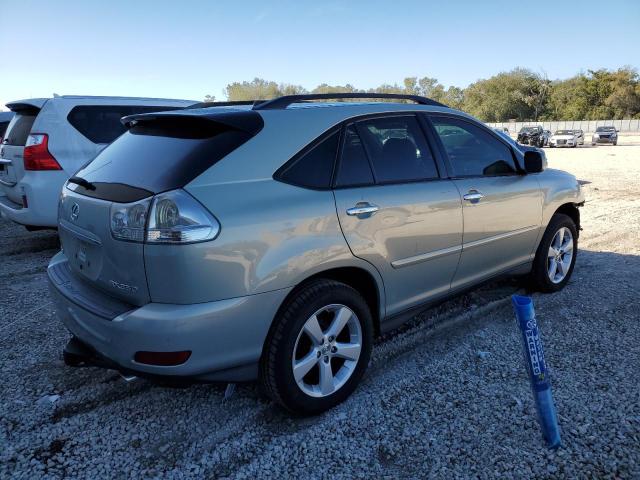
[(49, 139)]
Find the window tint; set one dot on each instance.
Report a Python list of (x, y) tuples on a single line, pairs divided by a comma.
[(101, 123), (3, 128), (314, 168), (354, 166), (166, 153), (471, 150), (19, 129), (398, 149)]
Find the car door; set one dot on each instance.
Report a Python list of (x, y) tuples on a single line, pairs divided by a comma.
[(395, 211), (502, 208)]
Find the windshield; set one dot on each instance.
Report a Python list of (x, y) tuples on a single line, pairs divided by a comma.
[(605, 129), (529, 129), (564, 132)]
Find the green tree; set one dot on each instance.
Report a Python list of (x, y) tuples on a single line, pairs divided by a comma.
[(518, 94), (260, 89)]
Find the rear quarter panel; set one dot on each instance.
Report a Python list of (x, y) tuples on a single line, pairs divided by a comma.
[(273, 236)]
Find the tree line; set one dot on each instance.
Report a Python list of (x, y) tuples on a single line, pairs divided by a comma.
[(520, 94)]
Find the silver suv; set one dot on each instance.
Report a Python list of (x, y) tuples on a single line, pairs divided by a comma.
[(274, 241)]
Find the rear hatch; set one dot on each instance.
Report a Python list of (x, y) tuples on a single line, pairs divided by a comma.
[(114, 266), (12, 148), (160, 152)]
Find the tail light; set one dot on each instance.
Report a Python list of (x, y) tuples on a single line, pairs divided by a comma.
[(37, 155), (173, 217)]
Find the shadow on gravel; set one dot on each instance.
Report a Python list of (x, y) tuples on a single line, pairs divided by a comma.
[(129, 391), (37, 244)]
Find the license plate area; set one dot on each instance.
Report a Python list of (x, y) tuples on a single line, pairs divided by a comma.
[(83, 252)]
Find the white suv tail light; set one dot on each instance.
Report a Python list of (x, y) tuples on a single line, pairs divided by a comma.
[(36, 153), (173, 217)]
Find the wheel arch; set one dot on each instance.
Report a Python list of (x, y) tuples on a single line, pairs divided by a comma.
[(358, 278), (572, 211)]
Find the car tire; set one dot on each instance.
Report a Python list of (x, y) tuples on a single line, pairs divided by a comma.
[(555, 247), (323, 383)]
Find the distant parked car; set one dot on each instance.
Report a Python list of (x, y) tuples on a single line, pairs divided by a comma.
[(535, 136), (579, 136), (504, 130), (5, 118), (564, 138), (49, 139), (606, 134)]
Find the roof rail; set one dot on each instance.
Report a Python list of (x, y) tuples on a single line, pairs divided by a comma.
[(224, 104), (286, 100)]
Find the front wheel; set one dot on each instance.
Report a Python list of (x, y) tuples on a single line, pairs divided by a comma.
[(318, 348), (556, 255)]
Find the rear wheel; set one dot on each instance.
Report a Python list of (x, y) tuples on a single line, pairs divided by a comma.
[(318, 348), (556, 255)]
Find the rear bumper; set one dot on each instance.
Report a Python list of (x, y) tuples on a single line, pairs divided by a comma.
[(42, 190), (225, 337)]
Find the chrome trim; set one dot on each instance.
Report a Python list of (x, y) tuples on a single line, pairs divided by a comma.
[(484, 241), (423, 257), (8, 184), (473, 196), (362, 209), (5, 161), (405, 262), (94, 240)]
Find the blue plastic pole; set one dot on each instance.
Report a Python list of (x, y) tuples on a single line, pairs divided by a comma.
[(537, 369)]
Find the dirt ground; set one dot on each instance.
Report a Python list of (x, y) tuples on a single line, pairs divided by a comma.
[(445, 396)]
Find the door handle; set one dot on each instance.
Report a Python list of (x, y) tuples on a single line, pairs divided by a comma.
[(363, 210), (473, 196)]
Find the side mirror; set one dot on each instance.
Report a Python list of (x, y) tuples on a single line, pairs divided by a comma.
[(533, 162)]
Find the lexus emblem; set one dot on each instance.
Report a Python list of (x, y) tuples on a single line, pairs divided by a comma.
[(75, 209)]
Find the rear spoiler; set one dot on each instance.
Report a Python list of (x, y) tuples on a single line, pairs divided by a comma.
[(32, 105), (244, 120)]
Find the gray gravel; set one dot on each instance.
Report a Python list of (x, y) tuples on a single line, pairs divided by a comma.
[(446, 396)]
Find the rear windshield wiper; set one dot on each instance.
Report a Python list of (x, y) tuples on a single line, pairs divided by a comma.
[(82, 182)]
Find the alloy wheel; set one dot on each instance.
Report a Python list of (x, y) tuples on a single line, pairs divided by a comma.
[(327, 350), (560, 255)]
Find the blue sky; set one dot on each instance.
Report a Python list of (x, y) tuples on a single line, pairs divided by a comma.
[(187, 49)]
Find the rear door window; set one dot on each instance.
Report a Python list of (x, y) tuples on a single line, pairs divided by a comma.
[(354, 169), (397, 149), (101, 123), (19, 129)]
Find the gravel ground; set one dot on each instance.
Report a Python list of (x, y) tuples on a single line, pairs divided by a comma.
[(446, 396)]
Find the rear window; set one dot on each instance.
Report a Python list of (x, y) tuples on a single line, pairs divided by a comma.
[(101, 123), (3, 128), (166, 153), (19, 129)]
